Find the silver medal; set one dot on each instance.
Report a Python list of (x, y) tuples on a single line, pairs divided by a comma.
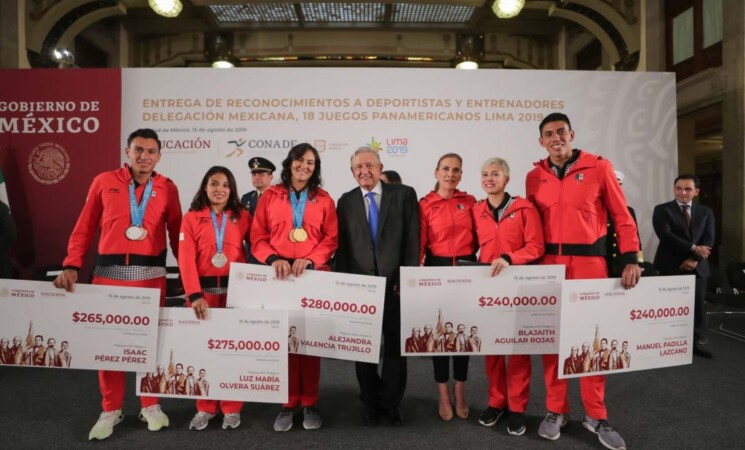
[(219, 260)]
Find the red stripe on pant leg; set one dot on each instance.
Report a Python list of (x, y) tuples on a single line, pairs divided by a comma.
[(293, 380), (518, 382), (310, 378), (208, 406), (593, 396), (111, 384), (497, 376), (556, 389), (228, 407)]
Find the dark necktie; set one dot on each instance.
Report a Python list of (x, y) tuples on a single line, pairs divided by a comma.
[(686, 216), (373, 217)]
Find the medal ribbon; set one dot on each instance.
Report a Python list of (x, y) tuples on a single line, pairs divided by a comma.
[(137, 212), (219, 235), (298, 208)]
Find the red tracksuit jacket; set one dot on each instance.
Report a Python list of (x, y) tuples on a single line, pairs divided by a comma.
[(107, 206), (272, 224), (446, 226), (198, 245), (574, 209), (518, 235)]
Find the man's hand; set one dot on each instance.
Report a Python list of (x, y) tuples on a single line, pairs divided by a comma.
[(200, 308), (497, 265), (630, 276), (702, 251), (688, 265), (66, 280), (299, 266), (282, 268)]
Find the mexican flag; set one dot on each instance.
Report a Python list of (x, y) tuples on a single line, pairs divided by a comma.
[(3, 191)]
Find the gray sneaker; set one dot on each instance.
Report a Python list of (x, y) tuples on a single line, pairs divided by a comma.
[(607, 435), (283, 422), (551, 426), (311, 418), (231, 420), (200, 421)]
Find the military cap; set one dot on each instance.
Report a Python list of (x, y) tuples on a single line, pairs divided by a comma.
[(259, 164)]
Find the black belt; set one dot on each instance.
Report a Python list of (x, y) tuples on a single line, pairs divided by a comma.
[(131, 260), (213, 282), (595, 249), (432, 260)]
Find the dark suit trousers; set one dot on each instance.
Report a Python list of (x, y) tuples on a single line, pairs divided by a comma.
[(385, 391), (699, 310)]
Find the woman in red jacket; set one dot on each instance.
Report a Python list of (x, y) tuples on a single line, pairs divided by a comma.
[(509, 232), (294, 229), (212, 236), (447, 236)]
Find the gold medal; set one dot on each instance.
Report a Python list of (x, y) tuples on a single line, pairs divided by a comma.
[(291, 236), (298, 235)]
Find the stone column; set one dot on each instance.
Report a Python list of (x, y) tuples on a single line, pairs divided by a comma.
[(733, 111)]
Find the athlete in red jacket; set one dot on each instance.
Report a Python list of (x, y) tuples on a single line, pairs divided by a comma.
[(446, 235), (295, 228), (509, 232), (213, 234), (574, 190), (131, 250)]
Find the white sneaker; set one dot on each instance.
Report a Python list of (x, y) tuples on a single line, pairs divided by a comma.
[(154, 417), (105, 425), (231, 420), (200, 421)]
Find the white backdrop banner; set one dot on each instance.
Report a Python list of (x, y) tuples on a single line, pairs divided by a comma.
[(209, 117)]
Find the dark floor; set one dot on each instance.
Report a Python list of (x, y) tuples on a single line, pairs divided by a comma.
[(697, 406)]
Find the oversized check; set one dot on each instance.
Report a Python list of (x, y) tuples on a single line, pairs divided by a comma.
[(608, 329), (235, 354), (332, 315), (96, 327), (464, 310)]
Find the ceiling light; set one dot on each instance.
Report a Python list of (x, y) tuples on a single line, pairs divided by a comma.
[(166, 8), (505, 9), (469, 50)]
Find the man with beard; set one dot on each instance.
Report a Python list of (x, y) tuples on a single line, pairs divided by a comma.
[(573, 364), (624, 358), (474, 341), (461, 339), (64, 358), (50, 354), (190, 381), (614, 355), (202, 387), (427, 342), (412, 342)]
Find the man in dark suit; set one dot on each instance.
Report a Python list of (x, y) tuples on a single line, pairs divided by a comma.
[(379, 247), (686, 234)]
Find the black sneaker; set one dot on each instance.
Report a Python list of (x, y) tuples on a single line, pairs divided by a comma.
[(516, 424), (490, 416)]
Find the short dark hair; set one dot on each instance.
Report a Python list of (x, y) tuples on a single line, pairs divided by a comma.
[(201, 201), (393, 177), (449, 323), (296, 153), (688, 176), (147, 133), (554, 117)]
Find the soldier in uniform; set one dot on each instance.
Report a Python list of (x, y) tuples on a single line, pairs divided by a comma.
[(624, 358), (612, 255), (203, 386), (262, 174), (474, 341), (63, 356)]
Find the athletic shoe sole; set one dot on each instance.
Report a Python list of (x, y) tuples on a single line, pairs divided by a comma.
[(519, 432)]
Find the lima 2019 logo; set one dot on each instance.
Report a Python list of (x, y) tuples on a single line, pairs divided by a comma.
[(393, 146)]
